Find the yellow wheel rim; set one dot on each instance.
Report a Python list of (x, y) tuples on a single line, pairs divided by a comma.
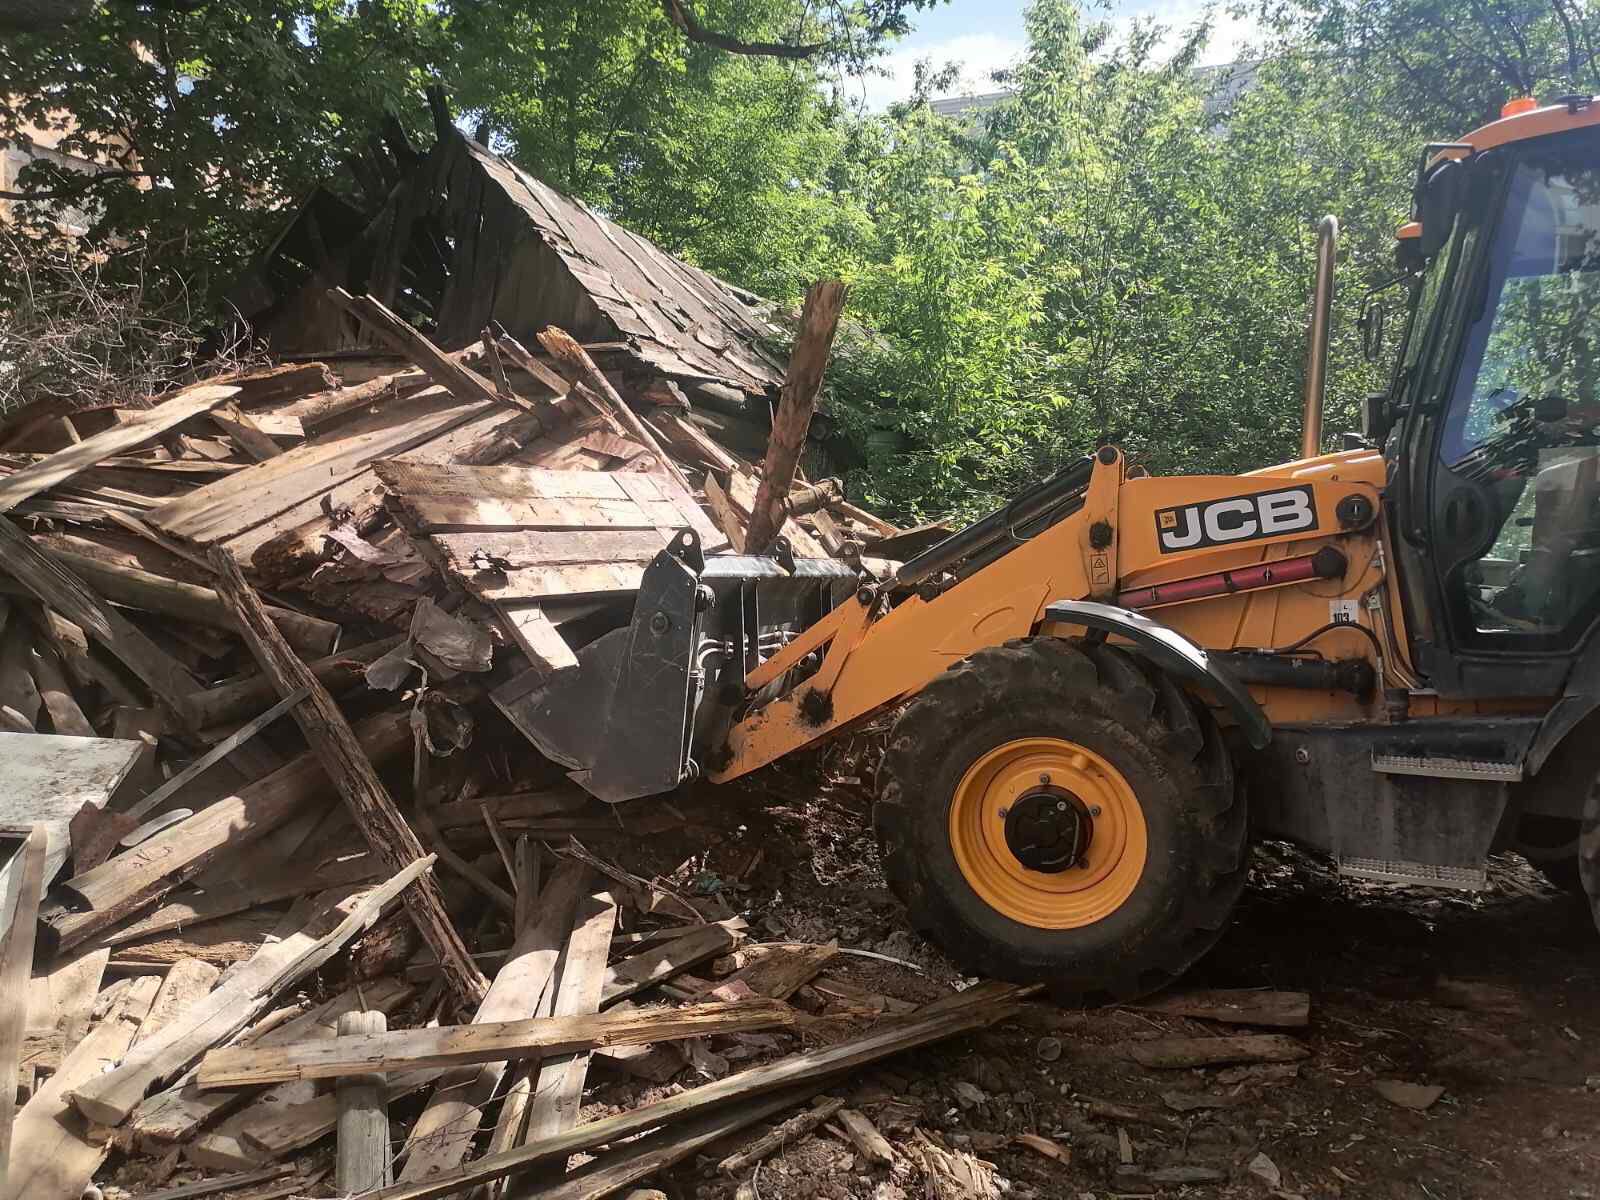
[(1032, 771)]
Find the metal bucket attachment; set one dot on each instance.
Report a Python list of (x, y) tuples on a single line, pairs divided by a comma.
[(649, 702)]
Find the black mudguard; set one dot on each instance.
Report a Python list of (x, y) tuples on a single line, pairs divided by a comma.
[(1173, 653)]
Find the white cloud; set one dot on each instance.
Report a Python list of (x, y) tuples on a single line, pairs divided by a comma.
[(979, 55)]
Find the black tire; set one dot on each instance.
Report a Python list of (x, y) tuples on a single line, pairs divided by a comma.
[(1589, 850), (1167, 748), (1550, 844)]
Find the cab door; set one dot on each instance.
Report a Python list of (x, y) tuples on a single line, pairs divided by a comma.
[(1514, 503)]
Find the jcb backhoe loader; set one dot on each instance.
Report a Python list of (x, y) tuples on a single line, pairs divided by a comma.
[(1113, 683)]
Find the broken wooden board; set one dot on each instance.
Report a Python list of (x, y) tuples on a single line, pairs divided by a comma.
[(52, 1158), (313, 938), (452, 1045), (50, 779), (1182, 1052), (1235, 1006), (146, 427)]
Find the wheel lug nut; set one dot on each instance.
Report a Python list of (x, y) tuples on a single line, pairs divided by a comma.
[(1061, 806), (1094, 810), (1005, 812), (1044, 778)]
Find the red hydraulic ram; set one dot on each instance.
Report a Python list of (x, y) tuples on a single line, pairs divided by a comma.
[(1326, 563)]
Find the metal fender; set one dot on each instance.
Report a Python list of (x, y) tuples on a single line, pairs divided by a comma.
[(1173, 653)]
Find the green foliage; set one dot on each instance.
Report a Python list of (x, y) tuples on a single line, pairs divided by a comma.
[(1125, 248)]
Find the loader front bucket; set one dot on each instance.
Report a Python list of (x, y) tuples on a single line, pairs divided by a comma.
[(649, 702)]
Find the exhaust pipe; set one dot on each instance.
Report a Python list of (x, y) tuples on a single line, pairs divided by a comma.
[(1317, 338)]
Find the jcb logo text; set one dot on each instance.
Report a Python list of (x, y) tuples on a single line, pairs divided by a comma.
[(1237, 519)]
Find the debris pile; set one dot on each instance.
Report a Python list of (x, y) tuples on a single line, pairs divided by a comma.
[(274, 861)]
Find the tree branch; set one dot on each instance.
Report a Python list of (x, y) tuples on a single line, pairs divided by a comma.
[(90, 182), (681, 15)]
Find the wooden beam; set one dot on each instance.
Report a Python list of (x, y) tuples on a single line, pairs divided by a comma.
[(147, 426), (16, 967), (660, 963), (819, 319), (1235, 1006), (442, 1136), (390, 838), (459, 380), (810, 1069), (110, 1098), (557, 1090), (188, 601), (495, 1041), (792, 1130), (362, 1162), (1183, 1052), (246, 697)]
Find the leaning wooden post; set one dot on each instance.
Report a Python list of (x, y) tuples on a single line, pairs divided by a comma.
[(801, 385), (391, 839), (577, 366), (363, 1142)]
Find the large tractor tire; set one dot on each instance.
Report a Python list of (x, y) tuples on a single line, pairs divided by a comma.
[(1052, 811)]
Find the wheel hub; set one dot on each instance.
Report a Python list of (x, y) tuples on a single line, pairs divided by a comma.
[(1049, 830)]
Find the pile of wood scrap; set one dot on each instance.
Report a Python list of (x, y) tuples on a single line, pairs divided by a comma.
[(260, 896)]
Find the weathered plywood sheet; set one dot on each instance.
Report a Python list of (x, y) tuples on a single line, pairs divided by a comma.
[(47, 779), (246, 500)]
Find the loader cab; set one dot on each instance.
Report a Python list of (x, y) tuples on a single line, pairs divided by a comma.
[(1496, 460)]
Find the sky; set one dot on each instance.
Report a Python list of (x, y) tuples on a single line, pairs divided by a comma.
[(983, 35)]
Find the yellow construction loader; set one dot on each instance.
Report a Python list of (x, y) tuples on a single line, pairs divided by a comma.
[(1112, 684)]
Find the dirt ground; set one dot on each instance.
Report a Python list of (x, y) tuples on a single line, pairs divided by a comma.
[(1492, 996)]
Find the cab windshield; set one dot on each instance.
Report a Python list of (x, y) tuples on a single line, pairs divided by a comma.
[(1523, 420)]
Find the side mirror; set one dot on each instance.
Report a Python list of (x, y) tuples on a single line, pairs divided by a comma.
[(1377, 416), (1443, 193), (1371, 323)]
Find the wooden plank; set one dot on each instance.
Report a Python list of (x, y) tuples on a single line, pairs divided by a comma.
[(442, 1136), (111, 1097), (362, 1160), (536, 636), (692, 442), (227, 1183), (1235, 1006), (229, 896), (534, 583), (127, 882), (293, 1126), (16, 967), (557, 1090), (808, 359), (61, 997), (388, 835), (494, 1041), (187, 982), (52, 1158), (1216, 1051), (244, 432), (63, 591), (660, 963), (574, 362), (119, 439), (514, 483), (780, 970), (249, 499), (176, 1114), (864, 1136), (66, 715), (809, 1069), (728, 517), (18, 692)]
